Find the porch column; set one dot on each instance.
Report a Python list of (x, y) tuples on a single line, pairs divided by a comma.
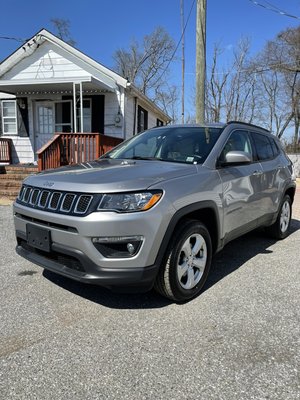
[(74, 109), (81, 107)]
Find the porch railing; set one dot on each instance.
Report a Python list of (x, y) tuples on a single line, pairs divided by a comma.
[(5, 150), (73, 148)]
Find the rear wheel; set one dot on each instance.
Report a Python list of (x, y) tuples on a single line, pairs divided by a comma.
[(187, 263), (280, 228)]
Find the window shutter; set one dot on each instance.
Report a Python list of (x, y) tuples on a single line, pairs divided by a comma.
[(1, 119), (22, 117)]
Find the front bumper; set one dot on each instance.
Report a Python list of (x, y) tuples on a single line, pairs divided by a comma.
[(74, 264), (73, 254)]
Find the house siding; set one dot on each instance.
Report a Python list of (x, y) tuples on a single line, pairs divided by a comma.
[(45, 63), (22, 151), (129, 119), (112, 108)]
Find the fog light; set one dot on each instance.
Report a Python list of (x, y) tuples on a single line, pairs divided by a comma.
[(131, 248), (118, 246)]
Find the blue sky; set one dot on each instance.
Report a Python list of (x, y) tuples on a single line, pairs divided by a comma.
[(99, 27)]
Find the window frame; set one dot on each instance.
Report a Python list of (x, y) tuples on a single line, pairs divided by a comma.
[(15, 117), (159, 122), (141, 127)]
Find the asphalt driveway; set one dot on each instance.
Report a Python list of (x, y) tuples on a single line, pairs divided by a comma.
[(240, 339)]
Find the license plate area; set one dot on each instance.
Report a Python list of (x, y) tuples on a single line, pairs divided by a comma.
[(39, 238)]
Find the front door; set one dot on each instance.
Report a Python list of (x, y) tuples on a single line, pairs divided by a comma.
[(51, 117), (44, 123)]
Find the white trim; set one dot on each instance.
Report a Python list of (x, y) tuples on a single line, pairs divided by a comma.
[(81, 107), (4, 117), (74, 108)]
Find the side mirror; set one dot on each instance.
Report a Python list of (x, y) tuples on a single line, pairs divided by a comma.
[(236, 157)]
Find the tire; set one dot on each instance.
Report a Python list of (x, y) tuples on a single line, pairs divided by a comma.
[(186, 264), (280, 228)]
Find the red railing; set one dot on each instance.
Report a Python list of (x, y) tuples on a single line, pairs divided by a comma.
[(73, 148), (5, 150)]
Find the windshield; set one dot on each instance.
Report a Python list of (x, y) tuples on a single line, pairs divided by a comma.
[(189, 145)]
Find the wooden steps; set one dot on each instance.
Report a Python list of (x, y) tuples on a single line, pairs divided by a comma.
[(11, 178)]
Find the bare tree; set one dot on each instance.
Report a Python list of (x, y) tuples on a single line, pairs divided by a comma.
[(281, 59), (215, 88), (146, 65), (231, 94), (240, 91), (168, 101), (62, 27)]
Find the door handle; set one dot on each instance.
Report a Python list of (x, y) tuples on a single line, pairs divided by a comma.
[(257, 173)]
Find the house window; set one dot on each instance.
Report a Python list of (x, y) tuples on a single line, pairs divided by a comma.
[(159, 122), (142, 124), (9, 117)]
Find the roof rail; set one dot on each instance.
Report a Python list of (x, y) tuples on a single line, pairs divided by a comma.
[(248, 124)]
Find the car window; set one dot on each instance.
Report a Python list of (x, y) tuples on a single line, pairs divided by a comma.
[(275, 148), (238, 141), (263, 146), (189, 145)]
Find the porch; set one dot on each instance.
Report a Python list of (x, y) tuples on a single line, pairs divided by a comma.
[(62, 149), (65, 148)]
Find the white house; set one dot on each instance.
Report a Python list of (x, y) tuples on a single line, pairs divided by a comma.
[(48, 86)]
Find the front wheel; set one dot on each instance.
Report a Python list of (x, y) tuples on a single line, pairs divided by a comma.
[(187, 263), (280, 228)]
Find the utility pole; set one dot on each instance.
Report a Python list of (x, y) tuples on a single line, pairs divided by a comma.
[(182, 60), (200, 60)]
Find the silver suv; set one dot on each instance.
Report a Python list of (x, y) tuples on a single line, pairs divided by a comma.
[(154, 210)]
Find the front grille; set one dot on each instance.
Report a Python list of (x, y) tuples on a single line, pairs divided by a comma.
[(44, 198), (56, 201), (67, 202), (83, 204), (34, 197)]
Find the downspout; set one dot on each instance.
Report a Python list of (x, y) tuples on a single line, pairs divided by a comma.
[(134, 118)]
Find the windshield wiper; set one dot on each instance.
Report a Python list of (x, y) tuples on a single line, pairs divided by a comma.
[(145, 158)]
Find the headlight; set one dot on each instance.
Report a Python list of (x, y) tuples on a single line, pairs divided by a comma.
[(129, 202)]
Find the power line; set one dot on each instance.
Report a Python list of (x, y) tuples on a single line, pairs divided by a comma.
[(178, 44), (274, 9), (256, 70), (13, 38)]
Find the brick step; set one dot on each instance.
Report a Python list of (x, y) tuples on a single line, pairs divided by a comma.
[(9, 193), (7, 183), (16, 177), (19, 170)]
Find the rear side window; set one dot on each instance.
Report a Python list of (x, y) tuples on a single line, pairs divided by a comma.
[(264, 147), (275, 148)]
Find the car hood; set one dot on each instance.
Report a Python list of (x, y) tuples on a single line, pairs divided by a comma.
[(108, 175)]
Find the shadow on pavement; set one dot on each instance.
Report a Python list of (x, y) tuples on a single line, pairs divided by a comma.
[(239, 251), (224, 263)]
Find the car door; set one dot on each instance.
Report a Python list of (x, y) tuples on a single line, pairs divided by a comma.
[(241, 187), (273, 177)]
